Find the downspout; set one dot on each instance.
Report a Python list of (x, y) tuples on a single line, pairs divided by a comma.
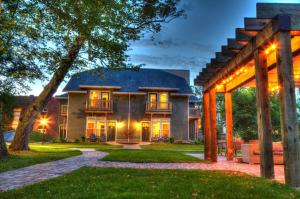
[(128, 123)]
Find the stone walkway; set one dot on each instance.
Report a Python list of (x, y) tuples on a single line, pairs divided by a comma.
[(90, 157), (40, 172)]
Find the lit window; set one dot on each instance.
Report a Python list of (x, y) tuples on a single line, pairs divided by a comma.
[(160, 128), (90, 127), (163, 100), (156, 129)]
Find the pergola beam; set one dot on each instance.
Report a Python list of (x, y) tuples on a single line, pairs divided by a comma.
[(213, 125), (254, 24), (229, 132), (234, 45), (227, 52), (242, 35), (221, 58), (281, 22), (288, 109), (263, 115), (207, 139)]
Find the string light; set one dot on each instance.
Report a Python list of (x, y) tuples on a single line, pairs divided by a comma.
[(270, 49), (274, 89), (238, 72)]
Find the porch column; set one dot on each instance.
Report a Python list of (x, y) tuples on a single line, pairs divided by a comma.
[(288, 120), (206, 112), (263, 115), (213, 124), (229, 136)]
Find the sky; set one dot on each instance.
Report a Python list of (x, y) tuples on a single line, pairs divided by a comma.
[(190, 42)]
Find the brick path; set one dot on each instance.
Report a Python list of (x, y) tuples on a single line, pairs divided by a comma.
[(40, 172)]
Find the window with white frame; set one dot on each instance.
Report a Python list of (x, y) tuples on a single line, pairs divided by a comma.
[(160, 128), (96, 126)]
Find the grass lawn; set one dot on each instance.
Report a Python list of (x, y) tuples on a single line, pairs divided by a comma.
[(90, 182), (129, 155), (38, 154), (175, 147), (98, 146)]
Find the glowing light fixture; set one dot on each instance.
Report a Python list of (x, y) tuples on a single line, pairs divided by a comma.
[(44, 121), (271, 49), (120, 124)]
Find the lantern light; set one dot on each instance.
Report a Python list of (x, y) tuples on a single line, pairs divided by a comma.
[(44, 121)]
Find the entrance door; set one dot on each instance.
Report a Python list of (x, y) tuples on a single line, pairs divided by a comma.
[(100, 133), (111, 131), (145, 132)]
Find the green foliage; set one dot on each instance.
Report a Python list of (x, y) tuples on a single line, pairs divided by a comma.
[(91, 182), (39, 137), (36, 35), (245, 114), (172, 140)]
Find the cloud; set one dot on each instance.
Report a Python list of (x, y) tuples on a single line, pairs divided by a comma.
[(171, 43), (169, 61)]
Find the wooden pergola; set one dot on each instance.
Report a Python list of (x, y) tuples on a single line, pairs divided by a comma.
[(265, 54)]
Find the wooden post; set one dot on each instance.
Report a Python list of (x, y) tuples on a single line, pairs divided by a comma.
[(206, 112), (229, 136), (213, 125), (289, 127), (263, 116)]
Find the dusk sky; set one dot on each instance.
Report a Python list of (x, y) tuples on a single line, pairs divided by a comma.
[(189, 43)]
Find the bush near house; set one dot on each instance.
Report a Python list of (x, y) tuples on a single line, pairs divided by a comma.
[(39, 137)]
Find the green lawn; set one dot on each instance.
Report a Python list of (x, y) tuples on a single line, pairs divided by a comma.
[(98, 146), (175, 147), (90, 182), (38, 154), (129, 155)]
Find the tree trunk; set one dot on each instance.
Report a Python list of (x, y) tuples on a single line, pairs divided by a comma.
[(3, 149), (29, 116)]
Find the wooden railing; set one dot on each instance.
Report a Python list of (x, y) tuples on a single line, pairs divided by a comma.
[(194, 112), (159, 107), (99, 105)]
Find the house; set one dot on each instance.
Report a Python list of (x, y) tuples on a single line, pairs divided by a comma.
[(128, 106), (46, 123)]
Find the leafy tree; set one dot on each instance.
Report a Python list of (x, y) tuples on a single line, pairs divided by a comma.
[(61, 36), (244, 112), (15, 63)]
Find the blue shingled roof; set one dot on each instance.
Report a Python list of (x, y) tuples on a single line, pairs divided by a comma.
[(129, 80)]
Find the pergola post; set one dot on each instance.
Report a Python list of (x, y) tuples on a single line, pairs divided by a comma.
[(213, 124), (229, 136), (263, 115), (289, 128), (206, 113)]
